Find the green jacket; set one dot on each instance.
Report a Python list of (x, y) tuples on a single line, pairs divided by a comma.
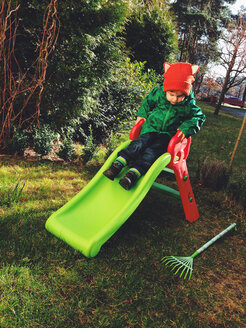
[(163, 117)]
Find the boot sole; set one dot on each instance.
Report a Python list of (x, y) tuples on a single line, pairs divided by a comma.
[(124, 183), (108, 176)]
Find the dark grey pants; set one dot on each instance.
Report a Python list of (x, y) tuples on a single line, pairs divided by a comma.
[(144, 151)]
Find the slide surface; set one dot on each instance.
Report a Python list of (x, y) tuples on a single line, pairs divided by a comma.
[(90, 218)]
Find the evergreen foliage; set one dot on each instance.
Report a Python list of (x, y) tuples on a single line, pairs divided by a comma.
[(89, 149), (118, 101), (18, 142), (89, 80), (67, 149), (87, 54), (150, 35), (199, 28), (43, 138)]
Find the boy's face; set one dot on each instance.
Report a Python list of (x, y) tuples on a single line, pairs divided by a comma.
[(175, 97)]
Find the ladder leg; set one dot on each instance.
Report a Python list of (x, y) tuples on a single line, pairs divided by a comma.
[(186, 193)]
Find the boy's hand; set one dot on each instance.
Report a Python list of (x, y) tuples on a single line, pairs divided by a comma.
[(139, 118), (181, 135)]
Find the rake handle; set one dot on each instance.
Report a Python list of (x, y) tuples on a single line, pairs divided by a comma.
[(211, 241)]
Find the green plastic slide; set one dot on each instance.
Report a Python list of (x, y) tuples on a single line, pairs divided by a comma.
[(89, 219)]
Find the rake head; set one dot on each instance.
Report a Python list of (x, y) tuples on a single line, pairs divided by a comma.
[(181, 265)]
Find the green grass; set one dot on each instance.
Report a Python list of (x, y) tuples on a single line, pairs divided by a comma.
[(45, 283)]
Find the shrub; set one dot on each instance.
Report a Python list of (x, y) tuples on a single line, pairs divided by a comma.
[(214, 174), (89, 149), (67, 150), (18, 143), (111, 144), (43, 138), (118, 101)]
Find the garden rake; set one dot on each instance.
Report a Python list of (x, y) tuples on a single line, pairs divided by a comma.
[(184, 265)]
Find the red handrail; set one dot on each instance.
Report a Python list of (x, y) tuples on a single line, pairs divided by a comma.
[(135, 131), (178, 148), (179, 151)]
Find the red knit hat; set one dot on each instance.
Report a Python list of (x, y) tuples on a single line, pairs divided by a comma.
[(179, 77)]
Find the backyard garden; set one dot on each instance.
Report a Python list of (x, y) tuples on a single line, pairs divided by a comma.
[(46, 283), (72, 76)]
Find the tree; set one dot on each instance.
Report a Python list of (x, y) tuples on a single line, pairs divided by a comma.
[(233, 56), (86, 55), (150, 34), (211, 85), (88, 52), (199, 25), (244, 93)]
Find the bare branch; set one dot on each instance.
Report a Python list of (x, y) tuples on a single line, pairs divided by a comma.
[(19, 85)]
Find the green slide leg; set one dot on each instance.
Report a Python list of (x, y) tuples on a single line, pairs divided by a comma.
[(89, 219)]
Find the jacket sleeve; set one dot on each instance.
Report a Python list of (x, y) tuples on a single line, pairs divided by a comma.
[(194, 121), (148, 104)]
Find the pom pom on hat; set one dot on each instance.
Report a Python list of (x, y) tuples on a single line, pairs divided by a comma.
[(179, 77)]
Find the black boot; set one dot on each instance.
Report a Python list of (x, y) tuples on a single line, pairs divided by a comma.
[(114, 170), (129, 180)]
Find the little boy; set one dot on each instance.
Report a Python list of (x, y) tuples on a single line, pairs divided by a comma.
[(165, 110)]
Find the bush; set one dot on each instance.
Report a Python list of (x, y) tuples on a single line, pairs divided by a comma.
[(111, 144), (118, 101), (214, 174), (67, 150), (18, 143), (43, 138), (89, 149)]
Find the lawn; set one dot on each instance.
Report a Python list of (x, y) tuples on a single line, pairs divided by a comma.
[(46, 283)]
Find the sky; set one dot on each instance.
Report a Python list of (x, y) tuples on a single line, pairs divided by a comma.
[(236, 7)]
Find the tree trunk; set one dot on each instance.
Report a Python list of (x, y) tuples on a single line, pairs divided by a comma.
[(197, 84), (223, 91), (224, 88), (244, 93)]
